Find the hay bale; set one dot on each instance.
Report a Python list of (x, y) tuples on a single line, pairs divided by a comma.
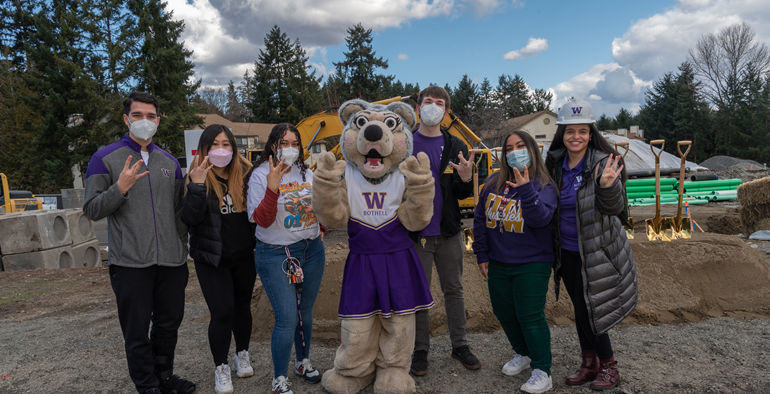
[(755, 218), (755, 193)]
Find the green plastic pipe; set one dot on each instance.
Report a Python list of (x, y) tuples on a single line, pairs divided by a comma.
[(650, 182), (723, 182), (636, 189)]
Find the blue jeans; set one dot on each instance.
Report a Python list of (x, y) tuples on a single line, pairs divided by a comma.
[(269, 260)]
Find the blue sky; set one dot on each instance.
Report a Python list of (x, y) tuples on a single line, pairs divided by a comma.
[(608, 52)]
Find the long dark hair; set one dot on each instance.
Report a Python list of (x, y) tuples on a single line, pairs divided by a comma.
[(271, 146), (536, 166), (596, 142), (234, 170)]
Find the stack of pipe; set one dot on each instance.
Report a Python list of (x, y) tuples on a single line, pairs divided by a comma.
[(641, 192)]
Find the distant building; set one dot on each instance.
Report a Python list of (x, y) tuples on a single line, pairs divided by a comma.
[(634, 132), (540, 125), (252, 136)]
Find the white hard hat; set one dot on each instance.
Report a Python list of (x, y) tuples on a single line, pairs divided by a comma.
[(576, 111)]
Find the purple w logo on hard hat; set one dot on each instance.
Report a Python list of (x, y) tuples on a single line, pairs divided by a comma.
[(576, 110)]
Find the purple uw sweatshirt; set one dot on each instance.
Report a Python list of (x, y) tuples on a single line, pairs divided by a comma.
[(526, 235)]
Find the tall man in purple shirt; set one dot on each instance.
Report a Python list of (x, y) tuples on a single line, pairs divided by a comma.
[(441, 241)]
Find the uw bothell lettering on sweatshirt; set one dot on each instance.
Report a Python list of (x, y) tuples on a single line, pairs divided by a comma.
[(526, 234)]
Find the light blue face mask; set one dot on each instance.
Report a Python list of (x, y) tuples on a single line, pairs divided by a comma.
[(518, 159)]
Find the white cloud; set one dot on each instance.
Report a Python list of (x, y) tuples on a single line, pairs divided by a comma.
[(655, 45), (606, 86), (226, 35), (403, 56), (533, 48)]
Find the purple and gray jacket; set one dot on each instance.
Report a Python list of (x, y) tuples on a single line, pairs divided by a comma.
[(144, 227)]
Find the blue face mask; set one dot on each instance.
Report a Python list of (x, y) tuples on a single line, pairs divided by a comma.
[(518, 159)]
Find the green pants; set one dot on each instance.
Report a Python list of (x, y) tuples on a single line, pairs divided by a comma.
[(518, 295)]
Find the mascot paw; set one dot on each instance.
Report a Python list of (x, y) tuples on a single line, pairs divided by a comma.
[(416, 169), (329, 168), (339, 384), (393, 381)]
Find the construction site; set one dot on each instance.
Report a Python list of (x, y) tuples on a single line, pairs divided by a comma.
[(701, 324)]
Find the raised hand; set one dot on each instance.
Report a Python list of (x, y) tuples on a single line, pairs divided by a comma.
[(465, 168), (610, 173), (519, 178), (129, 176), (199, 172), (277, 171), (416, 169), (329, 168)]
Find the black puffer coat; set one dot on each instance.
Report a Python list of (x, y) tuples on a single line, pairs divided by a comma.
[(609, 271), (204, 217)]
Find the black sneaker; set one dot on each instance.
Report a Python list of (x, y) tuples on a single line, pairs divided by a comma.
[(176, 385), (419, 363), (463, 353)]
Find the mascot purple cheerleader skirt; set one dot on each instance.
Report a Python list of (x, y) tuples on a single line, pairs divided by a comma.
[(383, 274)]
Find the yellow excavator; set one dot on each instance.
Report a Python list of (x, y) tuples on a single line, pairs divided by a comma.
[(327, 124), (16, 200)]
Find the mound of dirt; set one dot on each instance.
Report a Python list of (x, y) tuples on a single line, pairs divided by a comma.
[(721, 163), (682, 281)]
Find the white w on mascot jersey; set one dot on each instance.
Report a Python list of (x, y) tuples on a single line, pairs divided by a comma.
[(379, 192)]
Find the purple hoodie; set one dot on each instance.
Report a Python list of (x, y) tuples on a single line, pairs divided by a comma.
[(526, 235)]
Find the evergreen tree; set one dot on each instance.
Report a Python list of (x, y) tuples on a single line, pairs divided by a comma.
[(464, 99), (355, 76), (164, 70), (513, 96), (282, 88), (692, 114), (604, 123), (623, 120), (236, 111), (541, 99)]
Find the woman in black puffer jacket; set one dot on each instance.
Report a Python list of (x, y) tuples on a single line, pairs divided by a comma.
[(222, 245), (593, 255)]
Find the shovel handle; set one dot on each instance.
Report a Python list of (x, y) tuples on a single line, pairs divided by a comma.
[(679, 147), (625, 144), (656, 142)]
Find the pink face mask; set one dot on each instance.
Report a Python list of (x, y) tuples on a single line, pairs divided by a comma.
[(220, 157)]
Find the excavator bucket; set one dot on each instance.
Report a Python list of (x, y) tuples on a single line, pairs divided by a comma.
[(679, 227), (654, 229), (629, 227)]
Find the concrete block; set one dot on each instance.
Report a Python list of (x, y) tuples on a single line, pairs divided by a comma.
[(73, 198), (44, 259), (86, 254), (81, 227), (32, 231)]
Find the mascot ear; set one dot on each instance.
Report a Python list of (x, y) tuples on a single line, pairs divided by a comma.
[(405, 111), (350, 107)]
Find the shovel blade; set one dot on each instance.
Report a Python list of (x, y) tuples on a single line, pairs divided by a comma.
[(674, 230), (654, 232), (468, 237), (629, 228)]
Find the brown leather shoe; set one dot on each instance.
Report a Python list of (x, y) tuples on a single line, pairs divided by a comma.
[(587, 371), (608, 377)]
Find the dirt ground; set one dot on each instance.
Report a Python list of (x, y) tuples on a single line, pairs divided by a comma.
[(701, 325)]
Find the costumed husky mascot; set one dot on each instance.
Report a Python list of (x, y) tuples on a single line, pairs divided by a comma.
[(379, 192)]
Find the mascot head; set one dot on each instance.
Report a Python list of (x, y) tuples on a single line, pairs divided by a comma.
[(376, 138)]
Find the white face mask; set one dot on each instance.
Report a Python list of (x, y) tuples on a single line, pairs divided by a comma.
[(142, 129), (291, 155), (431, 114)]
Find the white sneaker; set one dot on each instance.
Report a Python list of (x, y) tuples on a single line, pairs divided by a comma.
[(281, 386), (306, 370), (242, 364), (516, 365), (540, 382), (223, 383)]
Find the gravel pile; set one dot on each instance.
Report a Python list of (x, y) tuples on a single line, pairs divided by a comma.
[(721, 163)]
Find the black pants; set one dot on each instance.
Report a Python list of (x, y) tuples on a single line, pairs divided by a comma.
[(228, 290), (149, 294), (571, 273)]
